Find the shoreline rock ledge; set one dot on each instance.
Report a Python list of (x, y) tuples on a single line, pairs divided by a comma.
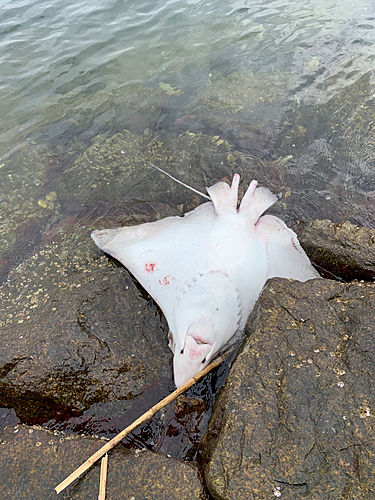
[(33, 461), (296, 416), (343, 249)]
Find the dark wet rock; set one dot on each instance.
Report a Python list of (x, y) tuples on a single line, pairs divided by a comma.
[(174, 431), (345, 250), (186, 405), (34, 461), (295, 418), (143, 474), (76, 330), (8, 418)]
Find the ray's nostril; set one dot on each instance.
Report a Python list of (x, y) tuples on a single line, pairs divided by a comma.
[(182, 351)]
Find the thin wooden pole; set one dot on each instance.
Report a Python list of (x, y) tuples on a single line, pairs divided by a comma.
[(103, 477), (108, 446)]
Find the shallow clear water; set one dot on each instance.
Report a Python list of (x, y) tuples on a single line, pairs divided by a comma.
[(281, 91), (289, 83)]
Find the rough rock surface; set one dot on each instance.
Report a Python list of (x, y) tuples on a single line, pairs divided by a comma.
[(34, 461), (295, 418), (77, 329), (344, 249)]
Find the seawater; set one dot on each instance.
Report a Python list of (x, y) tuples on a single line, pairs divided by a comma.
[(286, 82)]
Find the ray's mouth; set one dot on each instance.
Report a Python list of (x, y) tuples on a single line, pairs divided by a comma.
[(199, 342)]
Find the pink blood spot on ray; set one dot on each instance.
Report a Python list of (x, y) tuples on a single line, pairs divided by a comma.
[(150, 267), (166, 280)]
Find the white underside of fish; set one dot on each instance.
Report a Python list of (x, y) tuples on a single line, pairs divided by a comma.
[(206, 269)]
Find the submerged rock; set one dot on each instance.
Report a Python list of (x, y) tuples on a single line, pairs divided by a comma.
[(344, 249), (26, 208), (109, 174), (295, 418), (34, 461), (331, 174)]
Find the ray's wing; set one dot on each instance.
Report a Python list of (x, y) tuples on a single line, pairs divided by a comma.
[(286, 258), (162, 255)]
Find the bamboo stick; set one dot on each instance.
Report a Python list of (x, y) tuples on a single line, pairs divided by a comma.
[(103, 477), (110, 444)]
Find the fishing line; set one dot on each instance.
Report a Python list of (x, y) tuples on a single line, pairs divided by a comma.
[(169, 175)]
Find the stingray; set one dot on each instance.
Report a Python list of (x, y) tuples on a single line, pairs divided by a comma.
[(206, 269)]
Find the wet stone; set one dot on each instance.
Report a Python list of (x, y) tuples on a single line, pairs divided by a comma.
[(179, 428), (295, 418), (345, 250), (77, 329), (34, 461)]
